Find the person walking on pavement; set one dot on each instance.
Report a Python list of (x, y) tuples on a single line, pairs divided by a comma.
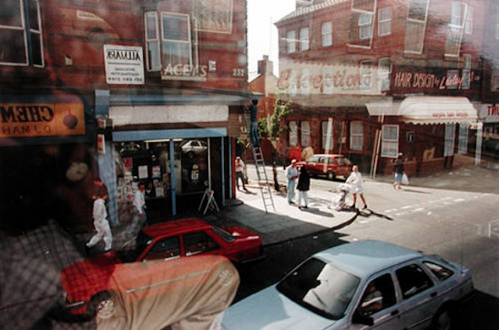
[(399, 169), (291, 176), (357, 183), (303, 187), (239, 165), (101, 224), (139, 214)]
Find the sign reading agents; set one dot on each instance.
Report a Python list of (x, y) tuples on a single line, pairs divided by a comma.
[(124, 65)]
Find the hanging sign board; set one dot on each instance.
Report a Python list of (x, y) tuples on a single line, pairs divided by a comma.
[(124, 65)]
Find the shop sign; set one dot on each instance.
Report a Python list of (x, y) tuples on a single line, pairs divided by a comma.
[(184, 72), (41, 119), (452, 79), (124, 65), (489, 113), (302, 78)]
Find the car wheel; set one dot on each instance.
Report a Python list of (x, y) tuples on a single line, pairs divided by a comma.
[(101, 302), (443, 320), (331, 175)]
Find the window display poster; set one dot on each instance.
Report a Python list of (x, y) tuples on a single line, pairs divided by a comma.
[(159, 192), (143, 172), (156, 172)]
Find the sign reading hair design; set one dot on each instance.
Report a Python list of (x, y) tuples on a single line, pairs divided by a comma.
[(41, 119)]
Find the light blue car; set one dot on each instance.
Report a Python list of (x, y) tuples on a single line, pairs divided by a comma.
[(361, 285)]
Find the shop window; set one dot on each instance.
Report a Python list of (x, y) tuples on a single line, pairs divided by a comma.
[(466, 75), (305, 134), (450, 134), (170, 44), (21, 33), (293, 134), (194, 165), (463, 139), (390, 141), (356, 135), (416, 26), (384, 21), (291, 42), (327, 135), (327, 34), (304, 38)]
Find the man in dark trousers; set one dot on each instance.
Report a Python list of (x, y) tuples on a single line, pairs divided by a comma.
[(253, 110)]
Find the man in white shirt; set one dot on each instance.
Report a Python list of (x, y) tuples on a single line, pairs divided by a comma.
[(139, 214), (291, 175), (239, 166), (101, 224)]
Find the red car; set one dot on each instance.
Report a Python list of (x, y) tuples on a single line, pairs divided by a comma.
[(87, 282), (330, 166)]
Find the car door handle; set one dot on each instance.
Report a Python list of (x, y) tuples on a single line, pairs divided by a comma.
[(434, 294), (395, 312)]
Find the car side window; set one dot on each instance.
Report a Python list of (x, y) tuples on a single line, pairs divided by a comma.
[(441, 272), (413, 280), (166, 248), (378, 295), (198, 242)]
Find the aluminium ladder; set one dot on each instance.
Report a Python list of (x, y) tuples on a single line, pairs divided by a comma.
[(263, 180)]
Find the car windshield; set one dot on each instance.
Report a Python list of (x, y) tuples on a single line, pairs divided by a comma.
[(224, 234), (320, 287)]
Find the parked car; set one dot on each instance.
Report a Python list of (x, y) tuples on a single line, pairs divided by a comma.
[(359, 285), (193, 148), (94, 286), (330, 166), (86, 281)]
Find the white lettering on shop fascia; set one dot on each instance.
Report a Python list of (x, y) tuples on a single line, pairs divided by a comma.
[(184, 72)]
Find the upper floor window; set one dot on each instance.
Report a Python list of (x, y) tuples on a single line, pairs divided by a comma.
[(384, 21), (173, 45), (365, 75), (293, 133), (416, 26), (468, 24), (497, 26), (305, 134), (291, 42), (327, 34), (365, 25), (304, 38), (455, 30), (21, 41), (384, 71)]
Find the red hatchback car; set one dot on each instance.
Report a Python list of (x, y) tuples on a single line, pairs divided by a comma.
[(87, 283), (330, 166)]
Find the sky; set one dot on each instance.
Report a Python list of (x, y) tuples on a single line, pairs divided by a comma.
[(262, 33)]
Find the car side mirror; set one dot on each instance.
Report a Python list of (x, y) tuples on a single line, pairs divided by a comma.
[(359, 318)]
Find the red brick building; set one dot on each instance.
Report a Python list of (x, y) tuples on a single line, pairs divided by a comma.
[(156, 87), (387, 77)]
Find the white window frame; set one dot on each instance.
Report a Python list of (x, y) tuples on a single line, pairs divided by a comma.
[(462, 147), (293, 134), (455, 29), (366, 71), (365, 25), (291, 42), (389, 143), (384, 73), (152, 42), (384, 21), (468, 24), (409, 33), (327, 34), (189, 36), (305, 134), (466, 75), (497, 26), (304, 38), (32, 30), (449, 139), (356, 135), (324, 125)]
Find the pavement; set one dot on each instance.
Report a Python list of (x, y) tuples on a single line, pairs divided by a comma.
[(285, 222)]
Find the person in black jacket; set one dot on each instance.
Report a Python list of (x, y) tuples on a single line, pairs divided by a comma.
[(303, 187), (399, 169)]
